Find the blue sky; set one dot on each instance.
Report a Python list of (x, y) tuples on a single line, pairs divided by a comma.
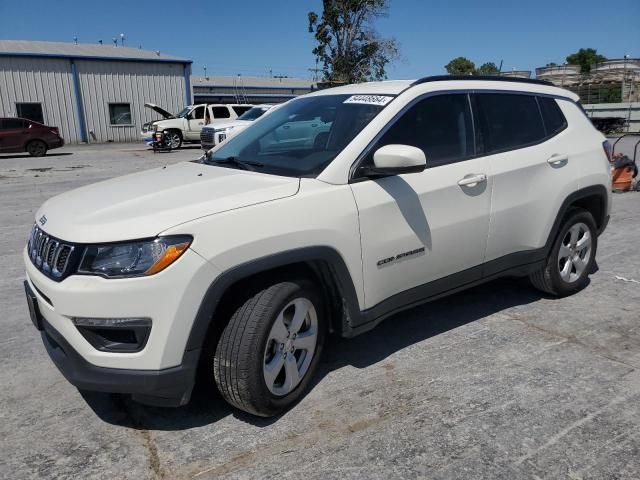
[(253, 37)]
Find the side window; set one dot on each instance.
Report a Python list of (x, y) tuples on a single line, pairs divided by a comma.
[(440, 126), (554, 120), (13, 124), (30, 111), (509, 121), (197, 113), (120, 114), (220, 112), (240, 109)]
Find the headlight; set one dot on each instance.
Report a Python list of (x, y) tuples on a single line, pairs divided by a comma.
[(133, 259)]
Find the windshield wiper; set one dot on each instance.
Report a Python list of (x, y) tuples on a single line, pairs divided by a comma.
[(245, 164)]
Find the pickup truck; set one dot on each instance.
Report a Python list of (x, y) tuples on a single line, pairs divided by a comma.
[(186, 125)]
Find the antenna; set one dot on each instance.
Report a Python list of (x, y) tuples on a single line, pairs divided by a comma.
[(75, 40), (100, 42), (205, 72), (115, 41), (122, 39)]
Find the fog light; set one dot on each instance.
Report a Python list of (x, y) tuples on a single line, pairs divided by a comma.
[(115, 334)]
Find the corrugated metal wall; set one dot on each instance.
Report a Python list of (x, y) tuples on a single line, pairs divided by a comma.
[(41, 80), (136, 83)]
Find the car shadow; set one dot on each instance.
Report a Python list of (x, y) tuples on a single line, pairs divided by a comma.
[(26, 155), (394, 334)]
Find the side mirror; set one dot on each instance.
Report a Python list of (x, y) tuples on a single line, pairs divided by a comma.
[(396, 160)]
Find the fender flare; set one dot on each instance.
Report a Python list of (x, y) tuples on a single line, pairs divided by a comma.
[(594, 190), (338, 270)]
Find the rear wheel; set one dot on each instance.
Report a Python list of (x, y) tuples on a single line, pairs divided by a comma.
[(269, 351), (36, 148), (572, 257)]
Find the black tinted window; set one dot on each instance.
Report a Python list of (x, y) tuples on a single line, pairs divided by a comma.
[(241, 109), (32, 111), (440, 126), (13, 124), (554, 120), (509, 120), (220, 112)]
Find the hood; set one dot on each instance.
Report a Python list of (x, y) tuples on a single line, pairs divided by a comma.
[(147, 203), (228, 124), (159, 110)]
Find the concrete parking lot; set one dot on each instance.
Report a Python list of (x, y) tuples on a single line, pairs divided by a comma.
[(495, 382)]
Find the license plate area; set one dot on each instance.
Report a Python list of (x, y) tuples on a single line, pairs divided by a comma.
[(32, 304)]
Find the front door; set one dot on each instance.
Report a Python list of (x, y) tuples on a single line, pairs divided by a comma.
[(196, 122), (421, 227)]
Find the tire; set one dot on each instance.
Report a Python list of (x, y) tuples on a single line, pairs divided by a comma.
[(572, 257), (36, 148), (174, 139), (257, 344)]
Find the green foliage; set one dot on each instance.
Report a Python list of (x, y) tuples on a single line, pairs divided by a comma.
[(487, 68), (348, 47), (585, 57), (461, 66)]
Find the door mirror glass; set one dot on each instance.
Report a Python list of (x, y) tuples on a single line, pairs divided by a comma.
[(396, 160)]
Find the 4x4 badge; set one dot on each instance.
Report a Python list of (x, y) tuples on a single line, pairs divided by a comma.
[(42, 220)]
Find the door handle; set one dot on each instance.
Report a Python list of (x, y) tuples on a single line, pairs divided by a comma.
[(472, 180), (286, 127), (200, 123), (557, 160)]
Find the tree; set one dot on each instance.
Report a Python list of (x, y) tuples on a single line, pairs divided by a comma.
[(348, 46), (585, 57), (461, 66), (488, 68)]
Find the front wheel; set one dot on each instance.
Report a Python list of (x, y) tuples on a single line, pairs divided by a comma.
[(173, 139), (572, 257), (269, 351)]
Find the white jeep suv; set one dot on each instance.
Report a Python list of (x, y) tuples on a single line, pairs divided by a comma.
[(238, 265)]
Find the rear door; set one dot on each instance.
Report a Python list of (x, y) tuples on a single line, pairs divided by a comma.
[(422, 227), (530, 156), (14, 134)]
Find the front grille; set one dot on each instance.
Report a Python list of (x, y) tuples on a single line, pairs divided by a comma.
[(147, 127), (207, 135), (53, 257)]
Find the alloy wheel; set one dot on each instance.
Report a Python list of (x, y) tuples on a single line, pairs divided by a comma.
[(290, 346), (574, 253)]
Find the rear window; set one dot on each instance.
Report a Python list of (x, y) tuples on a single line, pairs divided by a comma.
[(509, 121), (554, 120), (240, 109)]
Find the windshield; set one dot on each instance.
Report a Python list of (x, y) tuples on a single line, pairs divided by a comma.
[(300, 138), (183, 113), (253, 113)]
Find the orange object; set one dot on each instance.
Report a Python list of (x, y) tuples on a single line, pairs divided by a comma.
[(170, 255), (622, 178)]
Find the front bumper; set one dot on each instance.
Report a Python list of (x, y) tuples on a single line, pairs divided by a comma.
[(170, 387), (170, 298)]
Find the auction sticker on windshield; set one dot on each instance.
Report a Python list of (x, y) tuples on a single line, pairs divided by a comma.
[(381, 100)]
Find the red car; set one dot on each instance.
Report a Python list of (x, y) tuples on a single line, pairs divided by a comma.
[(22, 135)]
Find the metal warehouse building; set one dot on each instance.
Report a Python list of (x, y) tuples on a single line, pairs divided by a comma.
[(240, 89), (93, 93)]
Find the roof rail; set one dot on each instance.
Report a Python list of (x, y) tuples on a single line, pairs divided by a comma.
[(491, 78)]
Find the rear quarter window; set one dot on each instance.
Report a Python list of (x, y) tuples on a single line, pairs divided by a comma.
[(554, 120)]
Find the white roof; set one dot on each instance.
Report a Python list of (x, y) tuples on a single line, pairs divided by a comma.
[(92, 50), (395, 87)]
